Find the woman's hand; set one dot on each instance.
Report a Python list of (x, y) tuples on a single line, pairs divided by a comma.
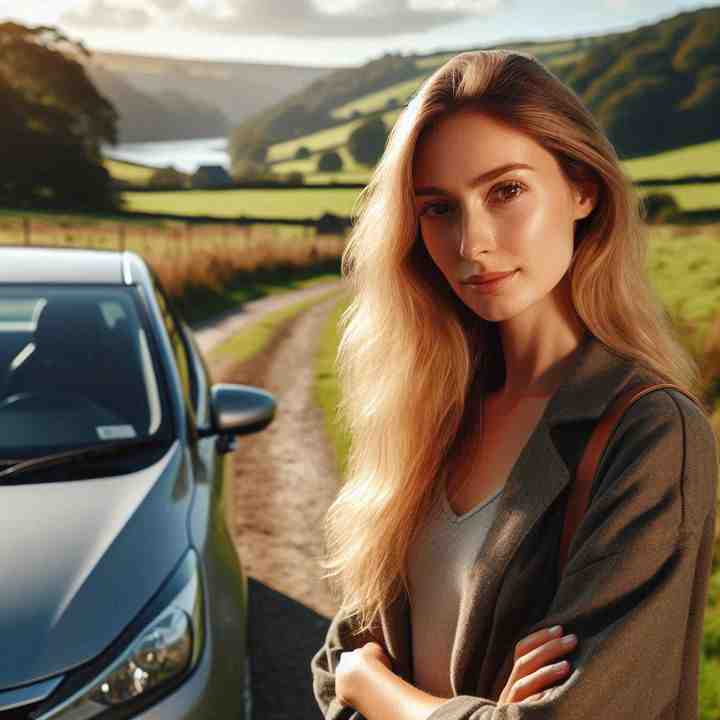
[(352, 669), (532, 673)]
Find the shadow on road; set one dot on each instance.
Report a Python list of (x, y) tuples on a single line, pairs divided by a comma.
[(283, 635)]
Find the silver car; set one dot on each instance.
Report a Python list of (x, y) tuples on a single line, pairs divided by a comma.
[(122, 594)]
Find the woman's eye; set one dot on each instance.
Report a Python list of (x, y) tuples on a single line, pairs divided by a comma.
[(508, 191), (435, 209)]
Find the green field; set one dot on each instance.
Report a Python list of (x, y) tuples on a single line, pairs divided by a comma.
[(261, 202), (351, 172), (378, 100), (700, 159), (301, 203), (684, 266), (323, 139), (129, 172), (697, 196)]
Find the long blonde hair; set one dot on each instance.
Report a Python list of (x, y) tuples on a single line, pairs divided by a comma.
[(410, 349)]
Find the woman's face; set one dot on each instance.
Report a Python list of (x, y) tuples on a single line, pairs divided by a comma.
[(478, 215)]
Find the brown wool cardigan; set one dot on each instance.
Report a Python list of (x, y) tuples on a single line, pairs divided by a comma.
[(635, 584)]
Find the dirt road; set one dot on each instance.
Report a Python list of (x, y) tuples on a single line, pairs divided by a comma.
[(284, 480)]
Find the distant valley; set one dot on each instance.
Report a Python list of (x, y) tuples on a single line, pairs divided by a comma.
[(168, 99)]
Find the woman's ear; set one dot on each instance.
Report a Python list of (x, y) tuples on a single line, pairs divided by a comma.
[(586, 194)]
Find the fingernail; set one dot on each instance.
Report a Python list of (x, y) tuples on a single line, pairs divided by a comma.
[(555, 630), (569, 639)]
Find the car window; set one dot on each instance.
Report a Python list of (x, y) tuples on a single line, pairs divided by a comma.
[(177, 342), (77, 366), (198, 375)]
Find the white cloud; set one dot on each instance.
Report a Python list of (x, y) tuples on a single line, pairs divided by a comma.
[(109, 14), (339, 18)]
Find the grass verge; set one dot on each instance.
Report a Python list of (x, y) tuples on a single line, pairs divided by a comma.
[(326, 390), (243, 345)]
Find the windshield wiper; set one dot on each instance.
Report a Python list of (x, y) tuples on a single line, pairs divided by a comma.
[(104, 449)]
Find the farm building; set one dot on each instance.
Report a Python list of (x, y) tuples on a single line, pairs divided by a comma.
[(211, 176)]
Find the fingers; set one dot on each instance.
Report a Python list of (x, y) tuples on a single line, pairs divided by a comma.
[(546, 653), (532, 687), (533, 698), (536, 639), (535, 667)]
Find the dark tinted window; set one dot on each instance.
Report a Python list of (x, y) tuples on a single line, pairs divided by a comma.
[(77, 366), (177, 341)]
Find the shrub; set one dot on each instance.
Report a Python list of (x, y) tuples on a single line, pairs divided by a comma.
[(659, 207), (330, 161), (295, 178), (367, 141)]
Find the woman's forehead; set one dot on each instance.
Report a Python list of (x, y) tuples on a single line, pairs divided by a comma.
[(470, 144)]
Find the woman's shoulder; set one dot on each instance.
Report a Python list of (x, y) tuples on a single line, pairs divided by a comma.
[(668, 404), (664, 446)]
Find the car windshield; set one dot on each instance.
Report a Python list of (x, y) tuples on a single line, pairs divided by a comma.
[(77, 367)]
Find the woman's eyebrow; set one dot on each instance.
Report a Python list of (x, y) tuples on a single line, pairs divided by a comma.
[(478, 180)]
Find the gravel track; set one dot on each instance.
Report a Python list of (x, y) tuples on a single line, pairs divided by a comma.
[(284, 479), (212, 332)]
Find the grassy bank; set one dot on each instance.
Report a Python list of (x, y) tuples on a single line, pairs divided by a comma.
[(326, 390), (246, 343), (201, 303)]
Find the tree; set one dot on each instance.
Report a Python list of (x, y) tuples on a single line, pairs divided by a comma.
[(367, 141), (53, 123), (330, 161), (295, 177), (659, 207)]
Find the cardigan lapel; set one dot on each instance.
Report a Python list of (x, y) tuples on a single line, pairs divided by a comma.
[(539, 475)]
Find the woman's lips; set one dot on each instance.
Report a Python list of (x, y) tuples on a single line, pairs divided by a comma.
[(487, 277), (498, 282)]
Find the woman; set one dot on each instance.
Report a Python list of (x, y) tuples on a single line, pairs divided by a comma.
[(469, 407)]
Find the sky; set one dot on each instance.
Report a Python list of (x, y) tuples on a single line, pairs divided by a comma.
[(328, 32)]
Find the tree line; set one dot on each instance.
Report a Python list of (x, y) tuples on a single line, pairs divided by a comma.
[(54, 121)]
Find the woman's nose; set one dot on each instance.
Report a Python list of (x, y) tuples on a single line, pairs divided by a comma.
[(476, 237)]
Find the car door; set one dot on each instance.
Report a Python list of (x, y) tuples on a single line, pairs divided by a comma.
[(210, 520)]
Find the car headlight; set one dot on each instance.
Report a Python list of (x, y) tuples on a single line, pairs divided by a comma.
[(165, 645)]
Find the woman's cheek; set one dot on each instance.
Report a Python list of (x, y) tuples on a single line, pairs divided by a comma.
[(437, 242)]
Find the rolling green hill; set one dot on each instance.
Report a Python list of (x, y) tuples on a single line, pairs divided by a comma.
[(653, 89)]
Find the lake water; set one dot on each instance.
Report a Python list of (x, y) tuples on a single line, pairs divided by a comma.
[(185, 155)]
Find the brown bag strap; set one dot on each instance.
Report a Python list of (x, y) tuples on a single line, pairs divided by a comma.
[(580, 489)]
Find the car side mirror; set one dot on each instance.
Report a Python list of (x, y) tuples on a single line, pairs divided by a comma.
[(238, 410)]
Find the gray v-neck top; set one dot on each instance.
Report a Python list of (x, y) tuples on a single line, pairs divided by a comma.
[(437, 566)]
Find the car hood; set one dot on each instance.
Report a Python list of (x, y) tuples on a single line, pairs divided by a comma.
[(81, 558)]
